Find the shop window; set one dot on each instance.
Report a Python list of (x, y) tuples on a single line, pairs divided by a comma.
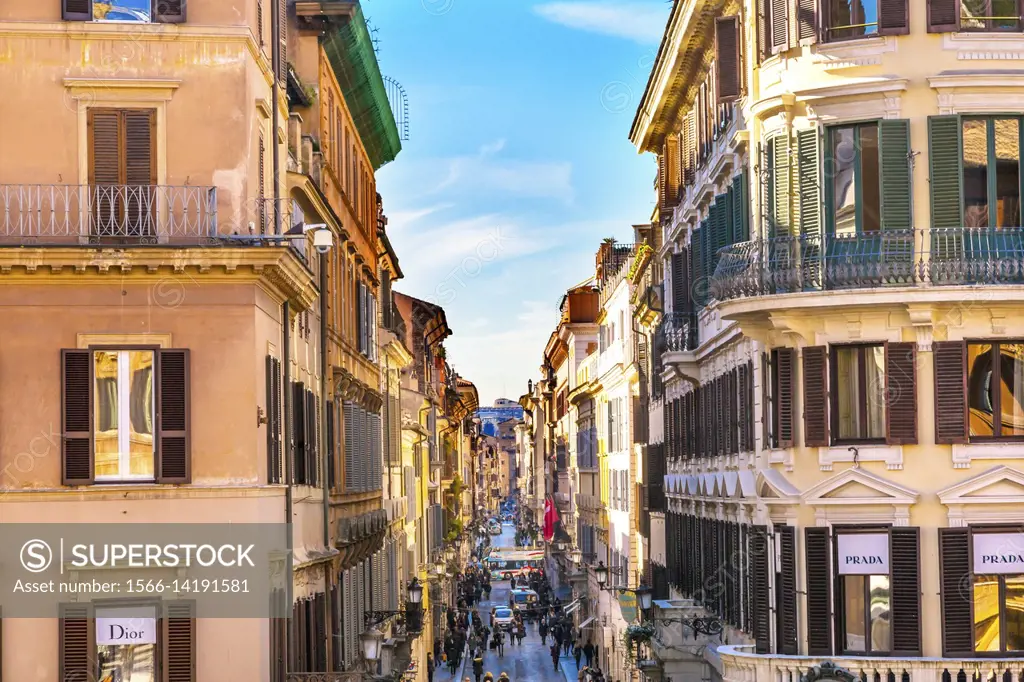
[(995, 390), (858, 393)]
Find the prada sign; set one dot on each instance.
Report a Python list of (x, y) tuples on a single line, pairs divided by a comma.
[(998, 553), (862, 553)]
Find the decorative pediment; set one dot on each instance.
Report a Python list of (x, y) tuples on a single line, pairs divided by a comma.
[(858, 486), (772, 486), (998, 485)]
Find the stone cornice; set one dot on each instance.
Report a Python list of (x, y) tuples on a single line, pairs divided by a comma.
[(350, 389), (276, 266)]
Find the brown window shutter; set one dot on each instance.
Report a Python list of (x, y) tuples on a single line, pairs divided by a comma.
[(179, 638), (259, 22), (672, 169), (77, 642), (140, 142), (104, 146), (173, 454), (785, 385), (320, 619), (905, 551), (787, 590), (901, 393), (282, 38), (807, 21), (818, 554), (815, 396), (893, 17), (955, 570), (76, 415), (663, 180), (950, 358), (943, 16), (764, 31), (780, 25), (299, 427), (761, 597), (273, 451), (170, 11), (727, 59), (76, 10)]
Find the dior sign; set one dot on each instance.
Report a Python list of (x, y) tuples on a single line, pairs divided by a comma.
[(862, 553), (998, 553)]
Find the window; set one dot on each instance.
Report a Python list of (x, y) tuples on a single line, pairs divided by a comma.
[(138, 11), (991, 172), (855, 186), (779, 398), (990, 15), (126, 643), (123, 414), (987, 398), (851, 18), (122, 171), (858, 393), (866, 613)]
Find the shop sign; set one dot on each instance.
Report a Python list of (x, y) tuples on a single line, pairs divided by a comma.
[(998, 553), (119, 631), (862, 553)]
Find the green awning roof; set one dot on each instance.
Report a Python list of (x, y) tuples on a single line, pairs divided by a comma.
[(350, 51)]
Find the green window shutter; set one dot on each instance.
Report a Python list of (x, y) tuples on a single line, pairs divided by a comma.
[(945, 171), (780, 185), (696, 267), (808, 182), (741, 206), (894, 152), (730, 221)]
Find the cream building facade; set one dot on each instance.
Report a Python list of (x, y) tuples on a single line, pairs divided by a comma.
[(839, 199)]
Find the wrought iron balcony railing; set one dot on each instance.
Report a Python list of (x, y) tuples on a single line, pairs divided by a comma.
[(679, 330), (937, 257), (352, 676)]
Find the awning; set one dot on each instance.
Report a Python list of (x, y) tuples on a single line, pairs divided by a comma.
[(587, 622), (571, 608)]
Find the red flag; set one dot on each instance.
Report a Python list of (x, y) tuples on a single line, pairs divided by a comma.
[(550, 518)]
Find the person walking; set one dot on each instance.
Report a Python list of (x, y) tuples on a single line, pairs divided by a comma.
[(555, 651), (478, 665), (521, 632), (430, 666), (578, 651), (567, 639), (542, 629), (588, 653), (499, 637)]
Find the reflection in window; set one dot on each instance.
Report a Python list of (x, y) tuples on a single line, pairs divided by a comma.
[(852, 18), (991, 172), (860, 392), (989, 15), (866, 619), (127, 662), (985, 362), (856, 189), (844, 181), (986, 613), (122, 10), (124, 409), (878, 592), (853, 608)]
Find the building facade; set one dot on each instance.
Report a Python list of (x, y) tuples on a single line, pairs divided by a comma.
[(839, 398)]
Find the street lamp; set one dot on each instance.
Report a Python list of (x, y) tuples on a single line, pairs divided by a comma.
[(415, 592), (644, 597), (601, 573), (575, 556), (371, 640)]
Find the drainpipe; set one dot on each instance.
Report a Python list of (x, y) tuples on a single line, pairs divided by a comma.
[(286, 430), (275, 36), (324, 455)]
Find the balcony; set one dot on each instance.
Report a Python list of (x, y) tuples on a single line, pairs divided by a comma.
[(740, 664), (355, 676), (679, 331), (892, 258)]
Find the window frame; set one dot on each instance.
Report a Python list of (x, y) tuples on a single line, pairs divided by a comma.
[(827, 28), (995, 396), (991, 166), (833, 394), (858, 176), (159, 647), (155, 350), (989, 19), (839, 593), (981, 530)]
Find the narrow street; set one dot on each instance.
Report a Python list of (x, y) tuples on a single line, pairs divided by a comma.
[(530, 661)]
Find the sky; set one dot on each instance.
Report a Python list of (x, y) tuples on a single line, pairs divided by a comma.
[(518, 164)]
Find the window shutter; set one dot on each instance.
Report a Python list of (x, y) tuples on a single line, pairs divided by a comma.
[(787, 590), (173, 11), (807, 21), (78, 466), (893, 18), (740, 209), (764, 31), (945, 171), (671, 170), (780, 25), (179, 635), (350, 444), (728, 78), (759, 567), (332, 434), (901, 393), (955, 570), (780, 186), (311, 438), (818, 554), (77, 641), (76, 10), (905, 550), (815, 396), (273, 453), (259, 22), (320, 621), (104, 129), (174, 464), (282, 37), (785, 409), (809, 185), (894, 150), (140, 138), (299, 472), (951, 415), (943, 16), (744, 409)]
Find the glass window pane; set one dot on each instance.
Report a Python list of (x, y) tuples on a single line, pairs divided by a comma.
[(1015, 613), (986, 613), (106, 435), (979, 395), (868, 16), (975, 173), (1011, 389), (843, 187), (874, 372), (1006, 15), (971, 13), (142, 413), (879, 614), (848, 394), (853, 613), (870, 188), (121, 10), (1007, 134), (127, 662)]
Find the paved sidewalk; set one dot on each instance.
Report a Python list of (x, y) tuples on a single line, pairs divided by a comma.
[(569, 669)]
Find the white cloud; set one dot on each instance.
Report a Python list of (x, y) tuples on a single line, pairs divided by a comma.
[(642, 21)]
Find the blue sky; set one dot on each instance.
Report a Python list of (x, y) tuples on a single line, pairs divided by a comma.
[(519, 161)]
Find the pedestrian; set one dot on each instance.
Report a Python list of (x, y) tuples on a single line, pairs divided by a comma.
[(578, 652), (437, 648), (499, 637), (478, 666), (543, 630), (567, 639), (522, 632), (555, 651), (503, 677), (588, 653), (430, 665)]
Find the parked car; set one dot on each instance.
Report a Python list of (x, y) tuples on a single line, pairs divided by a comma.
[(502, 618)]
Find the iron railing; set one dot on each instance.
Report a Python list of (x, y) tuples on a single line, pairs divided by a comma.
[(351, 676), (679, 330), (938, 257)]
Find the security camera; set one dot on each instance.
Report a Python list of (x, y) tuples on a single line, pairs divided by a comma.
[(323, 240)]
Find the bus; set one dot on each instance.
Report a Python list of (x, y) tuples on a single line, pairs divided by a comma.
[(514, 562)]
